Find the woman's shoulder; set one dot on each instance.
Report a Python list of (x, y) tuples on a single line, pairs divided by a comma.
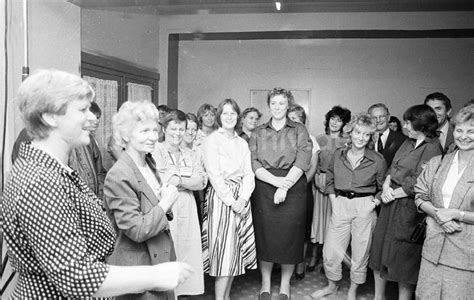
[(123, 167), (34, 174)]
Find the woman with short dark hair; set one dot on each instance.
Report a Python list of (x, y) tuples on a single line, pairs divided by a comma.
[(249, 120), (394, 256), (182, 168), (394, 124)]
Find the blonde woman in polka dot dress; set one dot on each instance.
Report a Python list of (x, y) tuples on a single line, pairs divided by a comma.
[(57, 233)]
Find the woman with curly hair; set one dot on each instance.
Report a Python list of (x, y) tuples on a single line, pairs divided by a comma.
[(332, 139), (207, 123)]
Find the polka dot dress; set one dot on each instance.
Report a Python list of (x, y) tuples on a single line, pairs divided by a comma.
[(57, 233)]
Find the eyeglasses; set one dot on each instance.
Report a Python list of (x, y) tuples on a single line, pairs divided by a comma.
[(379, 118)]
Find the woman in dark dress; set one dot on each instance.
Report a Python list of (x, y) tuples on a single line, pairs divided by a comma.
[(281, 153), (393, 256)]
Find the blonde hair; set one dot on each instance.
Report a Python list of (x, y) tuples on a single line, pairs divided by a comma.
[(362, 119), (129, 114), (49, 91), (465, 115)]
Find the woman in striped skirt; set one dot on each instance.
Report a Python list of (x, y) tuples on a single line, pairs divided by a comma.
[(227, 233)]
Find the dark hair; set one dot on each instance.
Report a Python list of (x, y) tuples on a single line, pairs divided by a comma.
[(280, 91), (220, 108), (95, 109), (174, 115), (378, 105), (192, 117), (300, 111), (164, 108), (441, 97), (204, 109), (422, 118), (394, 119), (337, 111), (249, 110)]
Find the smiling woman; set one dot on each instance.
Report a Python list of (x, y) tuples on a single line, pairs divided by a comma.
[(182, 168), (354, 184), (227, 230)]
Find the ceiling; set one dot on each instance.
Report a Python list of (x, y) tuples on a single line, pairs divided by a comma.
[(180, 7)]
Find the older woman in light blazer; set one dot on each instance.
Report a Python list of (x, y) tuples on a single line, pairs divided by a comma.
[(445, 192), (136, 199)]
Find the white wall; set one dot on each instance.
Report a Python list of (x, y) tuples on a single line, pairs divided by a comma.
[(54, 42), (354, 73), (130, 37)]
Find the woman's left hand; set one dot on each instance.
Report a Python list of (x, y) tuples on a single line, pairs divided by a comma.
[(444, 215), (280, 196)]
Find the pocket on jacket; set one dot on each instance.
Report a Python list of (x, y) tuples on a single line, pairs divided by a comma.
[(125, 257)]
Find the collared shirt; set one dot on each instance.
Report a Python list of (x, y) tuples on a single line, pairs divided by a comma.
[(200, 137), (57, 234), (281, 149), (409, 162), (328, 146), (367, 177), (243, 135), (454, 174), (188, 164), (443, 134), (87, 161), (228, 158)]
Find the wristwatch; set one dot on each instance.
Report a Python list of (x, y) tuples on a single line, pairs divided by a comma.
[(461, 216)]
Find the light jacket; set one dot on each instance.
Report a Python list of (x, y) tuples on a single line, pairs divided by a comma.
[(456, 249)]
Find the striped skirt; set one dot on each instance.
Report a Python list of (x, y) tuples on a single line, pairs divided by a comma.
[(228, 240)]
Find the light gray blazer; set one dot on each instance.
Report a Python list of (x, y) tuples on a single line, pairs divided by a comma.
[(457, 249)]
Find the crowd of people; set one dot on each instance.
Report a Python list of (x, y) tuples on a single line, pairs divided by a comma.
[(219, 193)]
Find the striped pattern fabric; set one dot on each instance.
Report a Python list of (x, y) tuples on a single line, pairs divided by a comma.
[(228, 239)]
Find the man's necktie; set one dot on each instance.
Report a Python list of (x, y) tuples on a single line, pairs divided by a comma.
[(380, 144)]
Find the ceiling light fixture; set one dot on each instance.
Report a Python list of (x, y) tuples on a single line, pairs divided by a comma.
[(278, 5)]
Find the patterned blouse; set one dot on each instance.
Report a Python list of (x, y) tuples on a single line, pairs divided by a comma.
[(57, 233)]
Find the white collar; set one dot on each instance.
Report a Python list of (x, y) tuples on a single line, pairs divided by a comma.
[(444, 128), (223, 131)]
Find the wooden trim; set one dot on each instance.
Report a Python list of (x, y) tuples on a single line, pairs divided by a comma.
[(116, 64), (324, 34), (173, 60), (91, 63)]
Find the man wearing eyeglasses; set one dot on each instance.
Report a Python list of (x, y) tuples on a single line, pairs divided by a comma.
[(386, 141)]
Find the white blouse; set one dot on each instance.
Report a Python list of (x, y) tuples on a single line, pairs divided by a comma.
[(150, 179), (454, 174), (228, 159)]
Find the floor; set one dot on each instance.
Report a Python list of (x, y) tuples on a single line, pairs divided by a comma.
[(247, 287)]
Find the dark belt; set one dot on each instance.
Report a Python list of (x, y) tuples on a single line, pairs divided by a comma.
[(351, 195)]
